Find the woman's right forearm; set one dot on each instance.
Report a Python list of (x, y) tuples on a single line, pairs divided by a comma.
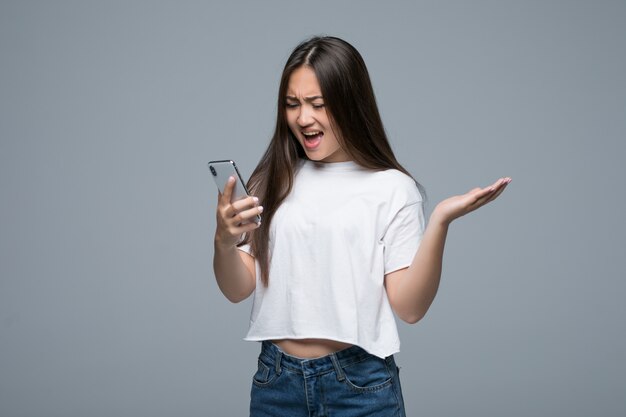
[(233, 278)]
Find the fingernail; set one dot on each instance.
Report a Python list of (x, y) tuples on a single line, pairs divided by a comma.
[(231, 179), (260, 209), (256, 199)]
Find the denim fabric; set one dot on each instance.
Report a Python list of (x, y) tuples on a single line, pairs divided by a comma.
[(347, 383)]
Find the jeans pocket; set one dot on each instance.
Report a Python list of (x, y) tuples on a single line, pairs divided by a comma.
[(370, 374), (262, 373), (265, 374)]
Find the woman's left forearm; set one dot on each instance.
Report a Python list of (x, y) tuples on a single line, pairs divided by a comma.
[(420, 282)]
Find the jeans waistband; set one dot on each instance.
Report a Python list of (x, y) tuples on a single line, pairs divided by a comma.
[(313, 366)]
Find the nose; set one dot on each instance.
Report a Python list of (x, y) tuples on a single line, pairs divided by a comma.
[(304, 118)]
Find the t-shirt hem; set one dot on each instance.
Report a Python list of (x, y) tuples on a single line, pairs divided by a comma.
[(381, 353)]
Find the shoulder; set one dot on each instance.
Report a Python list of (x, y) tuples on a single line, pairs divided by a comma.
[(401, 186)]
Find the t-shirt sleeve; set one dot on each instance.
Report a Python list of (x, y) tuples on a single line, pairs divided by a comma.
[(403, 236), (245, 248)]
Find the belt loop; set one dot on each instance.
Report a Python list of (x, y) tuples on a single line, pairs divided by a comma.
[(340, 374), (279, 356)]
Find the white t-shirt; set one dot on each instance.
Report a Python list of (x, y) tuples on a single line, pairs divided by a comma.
[(332, 240)]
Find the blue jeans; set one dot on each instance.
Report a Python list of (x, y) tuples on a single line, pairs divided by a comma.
[(347, 383)]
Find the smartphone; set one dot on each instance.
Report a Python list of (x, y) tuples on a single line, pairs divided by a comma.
[(221, 171)]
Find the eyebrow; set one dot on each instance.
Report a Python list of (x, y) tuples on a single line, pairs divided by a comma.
[(305, 99)]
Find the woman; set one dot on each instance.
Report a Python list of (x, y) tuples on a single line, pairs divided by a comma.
[(341, 248)]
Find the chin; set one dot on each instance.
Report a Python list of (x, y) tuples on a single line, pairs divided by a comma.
[(316, 158)]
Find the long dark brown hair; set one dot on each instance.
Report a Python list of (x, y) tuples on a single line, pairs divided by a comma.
[(351, 107)]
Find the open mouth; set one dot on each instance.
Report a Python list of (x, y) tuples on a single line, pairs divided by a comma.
[(312, 139)]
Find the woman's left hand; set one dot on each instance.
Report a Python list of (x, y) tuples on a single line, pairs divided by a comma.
[(459, 205)]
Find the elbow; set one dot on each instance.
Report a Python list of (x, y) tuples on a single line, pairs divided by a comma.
[(235, 293), (417, 314), (413, 318), (236, 298)]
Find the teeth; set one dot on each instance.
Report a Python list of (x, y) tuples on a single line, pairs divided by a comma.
[(310, 133)]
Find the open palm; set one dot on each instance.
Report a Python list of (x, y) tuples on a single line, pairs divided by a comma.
[(459, 205)]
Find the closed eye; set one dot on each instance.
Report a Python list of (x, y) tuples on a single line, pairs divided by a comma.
[(291, 105)]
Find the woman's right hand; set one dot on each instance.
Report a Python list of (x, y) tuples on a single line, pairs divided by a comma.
[(230, 216)]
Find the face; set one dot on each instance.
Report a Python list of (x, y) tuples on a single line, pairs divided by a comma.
[(308, 120)]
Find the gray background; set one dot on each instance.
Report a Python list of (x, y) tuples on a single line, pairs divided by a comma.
[(110, 111)]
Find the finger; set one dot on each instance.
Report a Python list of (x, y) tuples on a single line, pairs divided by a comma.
[(500, 182), (482, 199), (231, 210), (242, 217), (245, 203), (244, 228), (498, 192), (488, 193), (493, 194), (251, 213), (235, 232), (225, 210), (481, 194)]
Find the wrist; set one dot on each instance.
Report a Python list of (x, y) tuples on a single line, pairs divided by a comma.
[(438, 218), (222, 246)]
